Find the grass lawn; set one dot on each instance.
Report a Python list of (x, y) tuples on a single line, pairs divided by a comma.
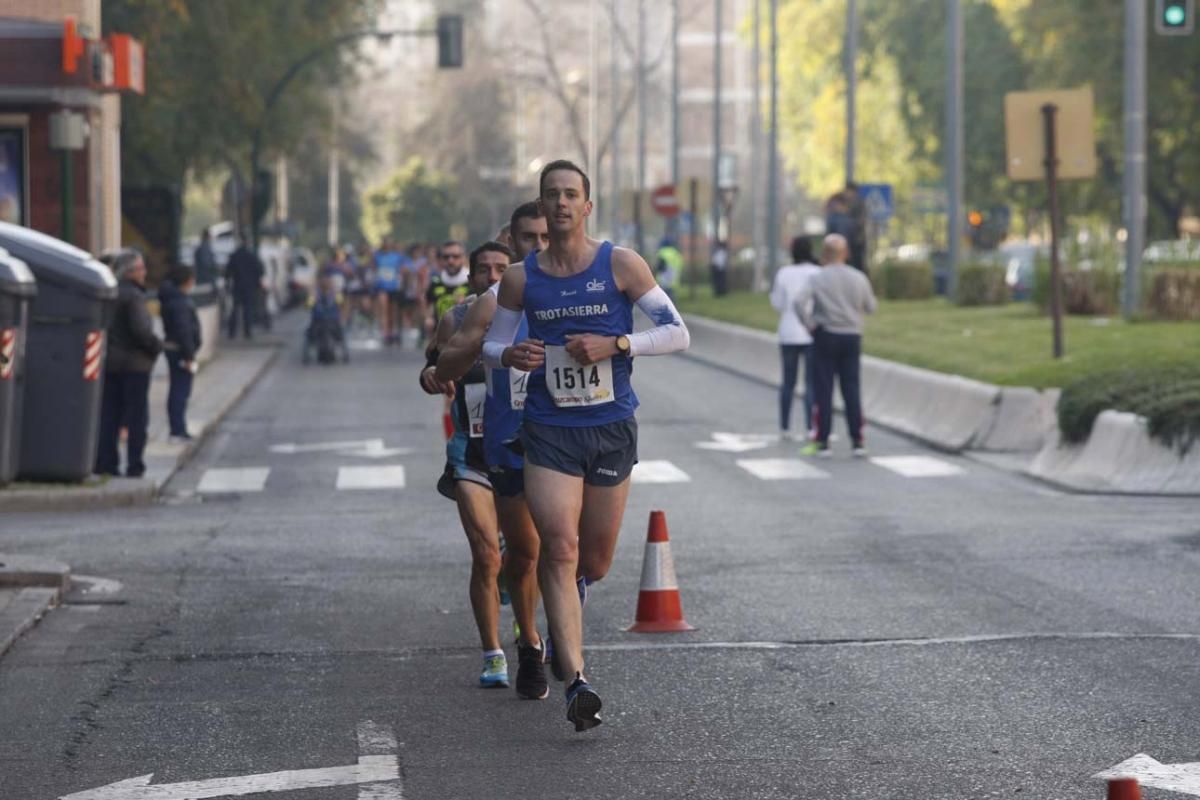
[(1008, 345)]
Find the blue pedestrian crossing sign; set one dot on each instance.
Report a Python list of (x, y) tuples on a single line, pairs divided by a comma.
[(878, 201)]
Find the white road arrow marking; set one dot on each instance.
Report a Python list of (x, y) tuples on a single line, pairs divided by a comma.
[(738, 442), (369, 769), (376, 449), (377, 764), (291, 448), (367, 448), (1182, 778)]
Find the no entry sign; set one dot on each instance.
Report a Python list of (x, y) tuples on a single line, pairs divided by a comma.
[(664, 201)]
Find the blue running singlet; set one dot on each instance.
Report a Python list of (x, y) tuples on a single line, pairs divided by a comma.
[(504, 410), (563, 392)]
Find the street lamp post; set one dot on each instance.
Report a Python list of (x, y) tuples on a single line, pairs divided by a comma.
[(449, 36)]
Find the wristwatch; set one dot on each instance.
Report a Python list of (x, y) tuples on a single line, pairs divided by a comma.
[(623, 345)]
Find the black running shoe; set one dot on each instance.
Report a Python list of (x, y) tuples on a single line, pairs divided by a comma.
[(531, 675), (583, 705)]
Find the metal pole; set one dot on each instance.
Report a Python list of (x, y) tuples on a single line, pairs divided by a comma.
[(641, 126), (68, 196), (954, 140), (675, 132), (1135, 151), (694, 210), (593, 116), (718, 29), (851, 56), (335, 175), (756, 142), (614, 141), (773, 143), (1056, 311)]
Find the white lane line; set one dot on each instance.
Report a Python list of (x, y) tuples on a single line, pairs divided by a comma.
[(918, 466), (1086, 636), (233, 479), (658, 472), (375, 740), (372, 477), (780, 469)]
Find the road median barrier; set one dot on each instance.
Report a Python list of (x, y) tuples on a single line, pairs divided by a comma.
[(948, 412), (1119, 456)]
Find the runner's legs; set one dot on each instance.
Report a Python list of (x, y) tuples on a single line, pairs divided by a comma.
[(599, 527), (556, 502), (521, 560), (478, 517)]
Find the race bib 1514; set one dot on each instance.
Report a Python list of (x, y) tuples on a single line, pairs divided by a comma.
[(574, 385)]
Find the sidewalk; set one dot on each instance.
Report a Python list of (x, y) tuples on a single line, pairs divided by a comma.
[(218, 386)]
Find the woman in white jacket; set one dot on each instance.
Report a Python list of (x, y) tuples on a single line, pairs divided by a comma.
[(794, 339)]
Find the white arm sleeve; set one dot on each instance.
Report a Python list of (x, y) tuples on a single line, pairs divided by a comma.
[(500, 335), (670, 335)]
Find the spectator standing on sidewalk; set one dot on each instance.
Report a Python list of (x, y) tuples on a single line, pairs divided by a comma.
[(668, 269), (181, 328), (720, 268), (204, 260), (132, 350), (832, 307), (794, 339), (244, 273)]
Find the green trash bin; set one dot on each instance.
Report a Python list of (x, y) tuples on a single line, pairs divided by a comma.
[(16, 288), (64, 355)]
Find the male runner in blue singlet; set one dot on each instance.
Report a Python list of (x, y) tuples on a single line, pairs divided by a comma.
[(465, 480), (502, 415), (579, 431)]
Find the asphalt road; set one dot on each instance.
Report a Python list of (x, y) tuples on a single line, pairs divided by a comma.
[(860, 633)]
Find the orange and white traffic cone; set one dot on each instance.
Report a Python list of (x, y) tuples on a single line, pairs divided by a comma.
[(1124, 789), (659, 609)]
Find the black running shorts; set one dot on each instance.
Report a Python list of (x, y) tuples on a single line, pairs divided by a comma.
[(603, 455), (507, 481)]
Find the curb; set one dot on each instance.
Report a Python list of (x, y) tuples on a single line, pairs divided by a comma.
[(96, 494), (34, 586)]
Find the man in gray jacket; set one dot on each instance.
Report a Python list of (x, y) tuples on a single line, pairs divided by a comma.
[(132, 350), (832, 306)]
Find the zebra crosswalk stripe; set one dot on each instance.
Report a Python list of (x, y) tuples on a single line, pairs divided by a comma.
[(918, 466), (233, 479), (780, 469), (371, 477), (659, 472)]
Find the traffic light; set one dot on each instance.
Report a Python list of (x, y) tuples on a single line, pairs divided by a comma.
[(1175, 17), (450, 40)]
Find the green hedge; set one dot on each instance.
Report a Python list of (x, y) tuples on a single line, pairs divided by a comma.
[(906, 280), (1169, 398), (1090, 292), (981, 285)]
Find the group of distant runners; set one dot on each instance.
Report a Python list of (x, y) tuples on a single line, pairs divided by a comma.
[(538, 363), (398, 290)]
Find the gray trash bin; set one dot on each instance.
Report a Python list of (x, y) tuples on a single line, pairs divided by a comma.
[(16, 288), (64, 355)]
